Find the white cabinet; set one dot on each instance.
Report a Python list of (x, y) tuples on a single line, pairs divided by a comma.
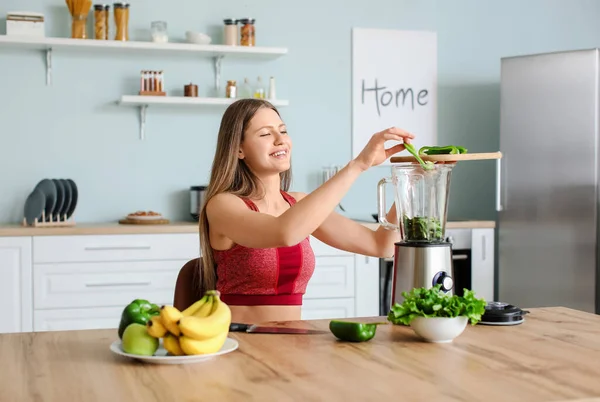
[(334, 277), (104, 248), (74, 282), (84, 282), (16, 284), (482, 263), (93, 284), (366, 298), (77, 318), (343, 285), (317, 309)]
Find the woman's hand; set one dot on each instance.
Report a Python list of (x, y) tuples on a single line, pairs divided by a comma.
[(375, 153)]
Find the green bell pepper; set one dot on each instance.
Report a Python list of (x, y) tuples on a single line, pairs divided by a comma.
[(425, 165), (138, 311), (353, 331), (444, 150)]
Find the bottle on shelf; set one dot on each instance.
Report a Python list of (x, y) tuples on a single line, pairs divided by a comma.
[(231, 90), (259, 89), (246, 89), (271, 88)]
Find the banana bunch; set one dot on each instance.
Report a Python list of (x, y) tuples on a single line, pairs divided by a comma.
[(200, 329)]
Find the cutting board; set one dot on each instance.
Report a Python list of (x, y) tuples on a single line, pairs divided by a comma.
[(448, 157), (128, 221)]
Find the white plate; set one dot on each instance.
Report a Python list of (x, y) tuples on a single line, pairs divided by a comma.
[(161, 357), (145, 218)]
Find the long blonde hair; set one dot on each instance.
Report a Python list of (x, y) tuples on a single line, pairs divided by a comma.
[(229, 174)]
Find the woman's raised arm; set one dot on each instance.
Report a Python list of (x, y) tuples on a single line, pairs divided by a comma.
[(228, 215)]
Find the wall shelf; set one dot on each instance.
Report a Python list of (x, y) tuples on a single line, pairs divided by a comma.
[(216, 52), (144, 101)]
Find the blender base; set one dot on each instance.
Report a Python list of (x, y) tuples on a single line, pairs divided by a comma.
[(421, 265)]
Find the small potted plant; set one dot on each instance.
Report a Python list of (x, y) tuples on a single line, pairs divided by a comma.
[(436, 316)]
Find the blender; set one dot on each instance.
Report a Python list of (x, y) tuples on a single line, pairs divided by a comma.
[(422, 256)]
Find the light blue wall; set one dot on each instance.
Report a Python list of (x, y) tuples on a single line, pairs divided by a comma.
[(46, 133)]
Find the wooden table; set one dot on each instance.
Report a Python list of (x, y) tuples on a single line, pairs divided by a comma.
[(553, 356)]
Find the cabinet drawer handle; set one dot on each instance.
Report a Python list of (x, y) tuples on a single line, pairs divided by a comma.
[(459, 257), (499, 206), (104, 248), (483, 248), (111, 284)]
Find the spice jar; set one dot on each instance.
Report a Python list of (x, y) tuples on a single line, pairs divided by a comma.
[(101, 16), (121, 11), (160, 82), (230, 32), (247, 32), (190, 90), (152, 83), (231, 90)]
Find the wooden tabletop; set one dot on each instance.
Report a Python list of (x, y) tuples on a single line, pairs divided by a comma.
[(553, 356)]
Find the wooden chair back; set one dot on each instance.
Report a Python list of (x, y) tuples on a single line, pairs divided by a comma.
[(188, 288)]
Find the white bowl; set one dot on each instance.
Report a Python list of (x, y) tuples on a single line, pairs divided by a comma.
[(197, 38), (439, 329)]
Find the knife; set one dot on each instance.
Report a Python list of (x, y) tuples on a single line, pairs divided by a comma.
[(257, 329)]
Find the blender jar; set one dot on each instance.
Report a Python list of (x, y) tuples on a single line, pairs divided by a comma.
[(421, 200)]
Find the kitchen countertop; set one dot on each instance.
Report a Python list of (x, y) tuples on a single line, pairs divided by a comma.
[(174, 227), (553, 356)]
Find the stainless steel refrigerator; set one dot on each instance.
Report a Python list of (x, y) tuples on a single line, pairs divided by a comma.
[(547, 195)]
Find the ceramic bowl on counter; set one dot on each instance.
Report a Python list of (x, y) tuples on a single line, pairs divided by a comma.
[(439, 329)]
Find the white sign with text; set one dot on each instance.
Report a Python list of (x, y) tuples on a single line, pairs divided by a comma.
[(394, 83)]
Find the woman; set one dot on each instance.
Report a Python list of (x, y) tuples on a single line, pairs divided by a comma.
[(255, 235)]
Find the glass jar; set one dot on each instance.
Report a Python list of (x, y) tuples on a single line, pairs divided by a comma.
[(107, 20), (101, 15), (121, 11), (231, 90), (247, 32), (79, 26), (159, 31), (230, 32)]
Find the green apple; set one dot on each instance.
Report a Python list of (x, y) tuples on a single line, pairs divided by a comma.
[(137, 341)]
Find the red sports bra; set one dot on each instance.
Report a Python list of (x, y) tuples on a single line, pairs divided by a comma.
[(264, 276)]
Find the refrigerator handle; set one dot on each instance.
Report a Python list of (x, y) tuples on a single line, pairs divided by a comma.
[(499, 184)]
